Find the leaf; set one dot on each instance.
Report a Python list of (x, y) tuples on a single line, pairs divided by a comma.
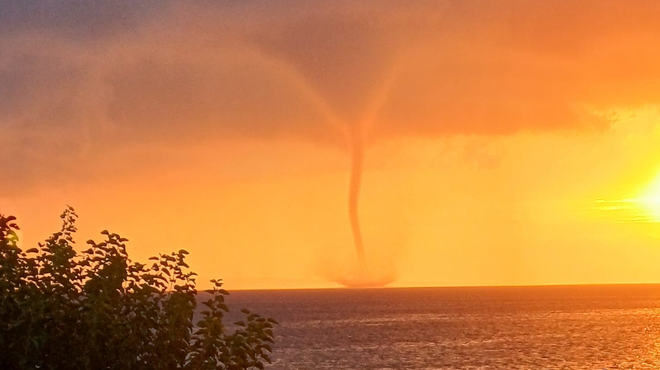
[(32, 250)]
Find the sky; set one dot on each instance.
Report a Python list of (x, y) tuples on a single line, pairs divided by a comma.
[(503, 142)]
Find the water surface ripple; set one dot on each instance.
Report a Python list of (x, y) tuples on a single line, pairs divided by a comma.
[(570, 327)]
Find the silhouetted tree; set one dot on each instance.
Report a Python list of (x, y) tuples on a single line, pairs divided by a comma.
[(60, 309)]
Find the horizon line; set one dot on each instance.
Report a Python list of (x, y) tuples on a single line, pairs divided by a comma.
[(448, 287)]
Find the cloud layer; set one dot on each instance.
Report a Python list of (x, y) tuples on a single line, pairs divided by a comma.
[(79, 79)]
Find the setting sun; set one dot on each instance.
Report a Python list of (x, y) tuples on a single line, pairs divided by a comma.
[(649, 200)]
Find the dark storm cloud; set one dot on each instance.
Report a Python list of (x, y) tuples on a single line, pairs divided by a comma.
[(76, 75), (76, 19)]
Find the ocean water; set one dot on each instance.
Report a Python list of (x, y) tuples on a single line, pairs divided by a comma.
[(569, 327)]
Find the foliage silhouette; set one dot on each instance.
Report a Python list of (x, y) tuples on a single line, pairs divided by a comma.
[(99, 310)]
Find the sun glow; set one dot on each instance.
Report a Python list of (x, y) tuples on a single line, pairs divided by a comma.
[(649, 200)]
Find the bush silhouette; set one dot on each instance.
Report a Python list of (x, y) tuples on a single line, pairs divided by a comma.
[(99, 310)]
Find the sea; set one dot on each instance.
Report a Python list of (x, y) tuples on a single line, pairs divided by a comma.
[(552, 327)]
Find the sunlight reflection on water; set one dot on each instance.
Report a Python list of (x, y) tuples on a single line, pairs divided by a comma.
[(596, 327)]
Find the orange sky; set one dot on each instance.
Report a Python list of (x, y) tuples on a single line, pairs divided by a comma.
[(509, 142)]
